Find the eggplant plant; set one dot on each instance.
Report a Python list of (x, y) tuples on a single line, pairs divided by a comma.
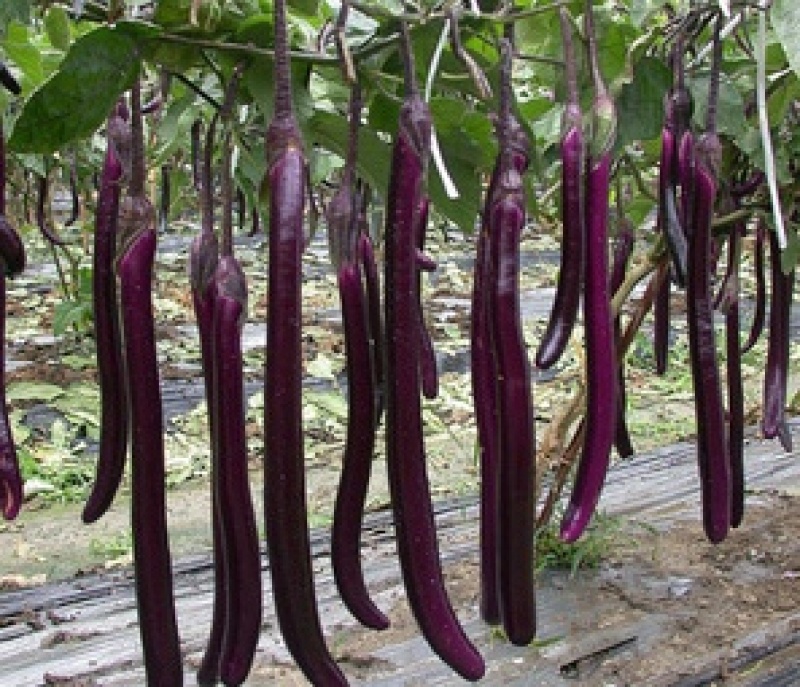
[(449, 152)]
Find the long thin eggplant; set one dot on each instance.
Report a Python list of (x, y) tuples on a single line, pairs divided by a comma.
[(151, 556), (242, 558), (573, 219), (484, 376), (601, 374), (669, 220), (713, 455), (10, 476), (484, 393), (405, 453), (517, 508), (773, 423), (12, 261), (759, 312), (203, 260), (108, 338), (357, 463), (623, 248), (661, 327), (712, 450), (344, 230), (42, 221), (284, 481), (733, 365), (429, 375), (369, 271)]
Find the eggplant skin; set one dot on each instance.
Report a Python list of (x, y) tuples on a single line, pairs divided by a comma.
[(773, 423), (359, 448), (601, 391), (110, 366), (152, 562), (241, 555), (408, 481), (12, 250), (10, 476), (285, 509), (517, 442), (759, 314), (713, 455), (568, 289)]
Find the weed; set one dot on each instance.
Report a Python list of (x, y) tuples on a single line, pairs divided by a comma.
[(115, 546), (588, 552)]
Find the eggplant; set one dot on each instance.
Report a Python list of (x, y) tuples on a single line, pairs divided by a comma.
[(151, 556), (346, 247), (573, 219), (241, 555), (405, 453), (108, 338), (285, 508), (773, 423), (601, 372)]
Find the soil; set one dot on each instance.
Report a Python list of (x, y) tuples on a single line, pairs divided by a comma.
[(673, 606)]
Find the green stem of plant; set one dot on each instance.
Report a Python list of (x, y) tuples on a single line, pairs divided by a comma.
[(62, 277)]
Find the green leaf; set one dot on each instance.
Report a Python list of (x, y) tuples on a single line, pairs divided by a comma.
[(640, 106), (73, 103), (14, 10), (330, 131), (71, 314), (25, 55), (310, 8), (56, 23), (729, 108), (463, 210), (43, 392), (785, 15)]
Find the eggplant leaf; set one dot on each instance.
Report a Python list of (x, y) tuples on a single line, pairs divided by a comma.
[(75, 101)]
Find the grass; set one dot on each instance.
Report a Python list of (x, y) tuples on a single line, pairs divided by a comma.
[(587, 553)]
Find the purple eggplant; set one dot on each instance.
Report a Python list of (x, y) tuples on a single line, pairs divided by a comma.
[(623, 248), (405, 453), (516, 490), (12, 261), (345, 239), (203, 260), (284, 482), (10, 476), (759, 314), (152, 561), (601, 371), (713, 456), (573, 220), (357, 462), (429, 375), (729, 304), (773, 423), (151, 555), (108, 339), (712, 450), (241, 555)]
